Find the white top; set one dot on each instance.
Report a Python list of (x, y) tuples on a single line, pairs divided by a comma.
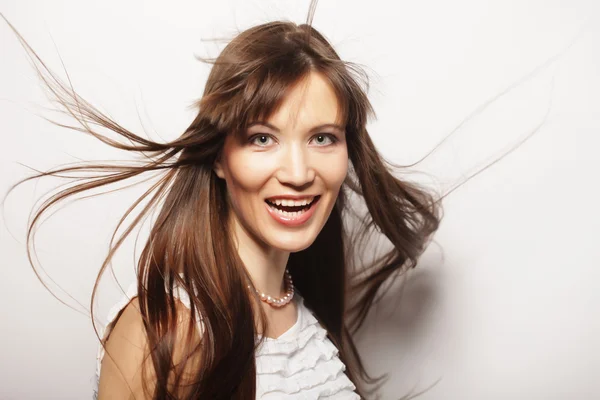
[(302, 363)]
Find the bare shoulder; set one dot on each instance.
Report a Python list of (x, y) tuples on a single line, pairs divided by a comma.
[(127, 361)]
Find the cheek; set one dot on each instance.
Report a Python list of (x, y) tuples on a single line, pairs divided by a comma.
[(333, 170), (245, 176)]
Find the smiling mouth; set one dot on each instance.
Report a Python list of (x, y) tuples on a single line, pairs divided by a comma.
[(292, 209)]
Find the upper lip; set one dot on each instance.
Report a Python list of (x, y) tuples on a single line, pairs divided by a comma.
[(292, 196)]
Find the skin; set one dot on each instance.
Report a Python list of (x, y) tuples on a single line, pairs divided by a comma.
[(282, 157)]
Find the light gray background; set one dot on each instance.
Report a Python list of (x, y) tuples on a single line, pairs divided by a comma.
[(506, 302)]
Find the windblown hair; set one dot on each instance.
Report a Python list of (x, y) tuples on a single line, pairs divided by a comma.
[(190, 244)]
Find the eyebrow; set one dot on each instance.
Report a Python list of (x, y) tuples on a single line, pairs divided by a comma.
[(312, 130)]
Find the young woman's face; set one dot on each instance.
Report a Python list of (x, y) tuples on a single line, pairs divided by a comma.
[(284, 174)]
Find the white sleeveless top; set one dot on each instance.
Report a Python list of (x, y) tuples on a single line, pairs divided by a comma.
[(302, 363)]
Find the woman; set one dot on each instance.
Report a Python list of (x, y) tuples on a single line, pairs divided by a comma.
[(245, 285)]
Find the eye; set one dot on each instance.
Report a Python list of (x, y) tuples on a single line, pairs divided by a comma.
[(323, 138), (261, 140)]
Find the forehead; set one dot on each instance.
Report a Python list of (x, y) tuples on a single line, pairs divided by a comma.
[(311, 101)]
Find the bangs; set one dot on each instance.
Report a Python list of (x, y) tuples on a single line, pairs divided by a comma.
[(263, 96), (262, 93)]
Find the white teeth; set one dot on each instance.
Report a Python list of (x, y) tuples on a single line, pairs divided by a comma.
[(288, 214), (290, 203)]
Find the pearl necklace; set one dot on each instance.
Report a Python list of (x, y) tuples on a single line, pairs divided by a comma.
[(278, 301)]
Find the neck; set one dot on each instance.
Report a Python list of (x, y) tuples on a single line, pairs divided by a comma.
[(265, 265)]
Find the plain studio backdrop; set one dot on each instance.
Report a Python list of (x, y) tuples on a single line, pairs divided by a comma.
[(505, 302)]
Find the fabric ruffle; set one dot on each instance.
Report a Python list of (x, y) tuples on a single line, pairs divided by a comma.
[(304, 365)]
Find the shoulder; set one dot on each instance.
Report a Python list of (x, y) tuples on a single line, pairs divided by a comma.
[(127, 365)]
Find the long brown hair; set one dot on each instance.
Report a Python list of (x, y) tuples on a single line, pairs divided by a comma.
[(190, 245)]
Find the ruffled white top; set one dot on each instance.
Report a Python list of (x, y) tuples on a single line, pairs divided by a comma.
[(302, 363)]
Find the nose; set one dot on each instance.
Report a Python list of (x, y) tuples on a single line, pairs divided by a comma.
[(295, 167)]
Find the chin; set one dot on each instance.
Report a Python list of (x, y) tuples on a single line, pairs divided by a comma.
[(293, 245)]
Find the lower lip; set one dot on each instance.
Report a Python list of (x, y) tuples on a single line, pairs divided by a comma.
[(293, 221)]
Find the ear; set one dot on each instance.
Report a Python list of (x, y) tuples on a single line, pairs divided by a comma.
[(218, 169)]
